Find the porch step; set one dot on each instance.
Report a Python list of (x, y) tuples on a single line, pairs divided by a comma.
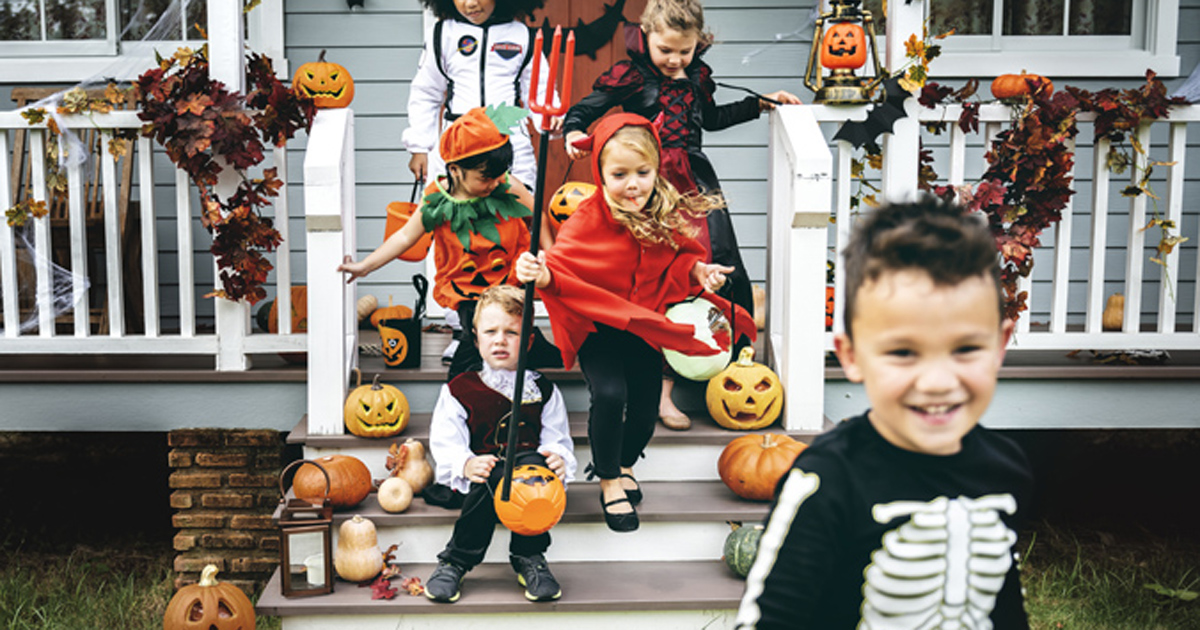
[(663, 595)]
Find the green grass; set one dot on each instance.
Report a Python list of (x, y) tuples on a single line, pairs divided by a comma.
[(86, 588), (1077, 579)]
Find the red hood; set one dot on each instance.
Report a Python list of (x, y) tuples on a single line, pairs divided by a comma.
[(604, 131)]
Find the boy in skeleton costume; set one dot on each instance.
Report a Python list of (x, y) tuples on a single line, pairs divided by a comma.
[(905, 516)]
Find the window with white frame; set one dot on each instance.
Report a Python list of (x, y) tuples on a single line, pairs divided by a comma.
[(71, 40), (1082, 38)]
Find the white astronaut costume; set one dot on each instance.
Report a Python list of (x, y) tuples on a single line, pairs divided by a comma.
[(466, 66)]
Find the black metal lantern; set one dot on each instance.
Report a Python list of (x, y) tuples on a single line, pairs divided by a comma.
[(842, 41), (306, 540)]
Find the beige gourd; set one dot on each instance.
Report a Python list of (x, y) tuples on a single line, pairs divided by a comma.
[(1113, 317), (407, 461), (357, 557), (395, 495), (365, 306)]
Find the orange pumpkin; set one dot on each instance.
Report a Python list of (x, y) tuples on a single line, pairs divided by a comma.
[(398, 311), (209, 605), (349, 481), (328, 84), (375, 410), (536, 503), (745, 395), (299, 314), (752, 465), (566, 199), (398, 214), (1007, 87), (844, 46), (829, 303)]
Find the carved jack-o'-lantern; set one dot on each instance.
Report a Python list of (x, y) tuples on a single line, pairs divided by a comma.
[(746, 395), (566, 199), (376, 410), (209, 605), (536, 503), (829, 308), (328, 84), (395, 344), (844, 46)]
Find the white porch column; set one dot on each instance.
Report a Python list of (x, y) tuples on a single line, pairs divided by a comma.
[(801, 168), (329, 221), (901, 147), (226, 64)]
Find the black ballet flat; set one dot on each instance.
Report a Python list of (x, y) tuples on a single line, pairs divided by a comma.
[(635, 495), (619, 522)]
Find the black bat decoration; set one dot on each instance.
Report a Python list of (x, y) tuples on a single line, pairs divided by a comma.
[(589, 37), (881, 119), (354, 4)]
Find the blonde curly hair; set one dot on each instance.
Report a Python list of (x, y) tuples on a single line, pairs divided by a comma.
[(668, 212), (685, 16)]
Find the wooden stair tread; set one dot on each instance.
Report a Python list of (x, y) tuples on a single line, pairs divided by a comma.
[(704, 431), (666, 501), (493, 588)]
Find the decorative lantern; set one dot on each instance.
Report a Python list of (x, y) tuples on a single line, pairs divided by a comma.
[(306, 540), (842, 48)]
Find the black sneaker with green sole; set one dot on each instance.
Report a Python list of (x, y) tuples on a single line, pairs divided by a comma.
[(534, 574)]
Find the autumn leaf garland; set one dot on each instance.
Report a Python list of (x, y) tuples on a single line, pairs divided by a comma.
[(204, 129)]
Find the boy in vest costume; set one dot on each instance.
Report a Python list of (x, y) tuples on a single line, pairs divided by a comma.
[(467, 434)]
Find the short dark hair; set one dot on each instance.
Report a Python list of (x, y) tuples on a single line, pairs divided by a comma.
[(491, 163), (506, 10), (931, 235)]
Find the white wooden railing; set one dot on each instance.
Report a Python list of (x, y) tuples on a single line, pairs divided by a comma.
[(808, 179), (166, 328)]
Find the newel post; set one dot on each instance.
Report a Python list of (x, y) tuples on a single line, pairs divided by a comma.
[(329, 221), (902, 146), (801, 168), (227, 64)]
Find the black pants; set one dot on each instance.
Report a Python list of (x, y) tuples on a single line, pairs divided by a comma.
[(474, 528), (624, 377), (542, 354)]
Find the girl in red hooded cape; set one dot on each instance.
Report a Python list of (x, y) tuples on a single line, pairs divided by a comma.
[(628, 252)]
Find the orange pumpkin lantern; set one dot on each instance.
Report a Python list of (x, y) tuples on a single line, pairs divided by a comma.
[(1009, 87), (829, 304), (746, 395), (299, 316), (536, 502), (328, 84), (209, 605), (566, 199), (375, 410), (752, 465), (844, 46), (349, 481), (395, 345)]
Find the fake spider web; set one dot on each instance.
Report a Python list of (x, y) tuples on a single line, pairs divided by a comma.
[(62, 297)]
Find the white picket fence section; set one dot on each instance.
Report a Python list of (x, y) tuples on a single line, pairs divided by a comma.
[(184, 336), (808, 178)]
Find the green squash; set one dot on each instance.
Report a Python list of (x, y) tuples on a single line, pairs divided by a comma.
[(741, 546)]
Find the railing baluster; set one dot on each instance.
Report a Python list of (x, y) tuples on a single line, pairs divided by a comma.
[(1095, 292), (845, 221), (283, 259), (187, 275), (958, 155), (77, 232), (1167, 296), (149, 229), (8, 251), (112, 241), (1062, 260), (1135, 255), (41, 235)]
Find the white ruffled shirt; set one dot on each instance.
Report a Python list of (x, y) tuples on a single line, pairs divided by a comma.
[(450, 437)]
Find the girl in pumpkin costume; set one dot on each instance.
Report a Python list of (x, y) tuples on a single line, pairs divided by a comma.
[(627, 253), (476, 213), (665, 80)]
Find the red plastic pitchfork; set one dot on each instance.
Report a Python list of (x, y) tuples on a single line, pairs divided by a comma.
[(546, 107)]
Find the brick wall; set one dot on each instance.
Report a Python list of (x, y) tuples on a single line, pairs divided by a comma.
[(224, 487)]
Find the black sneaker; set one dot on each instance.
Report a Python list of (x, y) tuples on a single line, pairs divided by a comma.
[(443, 584), (534, 574)]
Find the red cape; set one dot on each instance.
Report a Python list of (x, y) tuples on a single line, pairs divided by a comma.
[(600, 273)]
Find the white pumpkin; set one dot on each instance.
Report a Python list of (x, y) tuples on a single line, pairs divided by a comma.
[(395, 495)]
